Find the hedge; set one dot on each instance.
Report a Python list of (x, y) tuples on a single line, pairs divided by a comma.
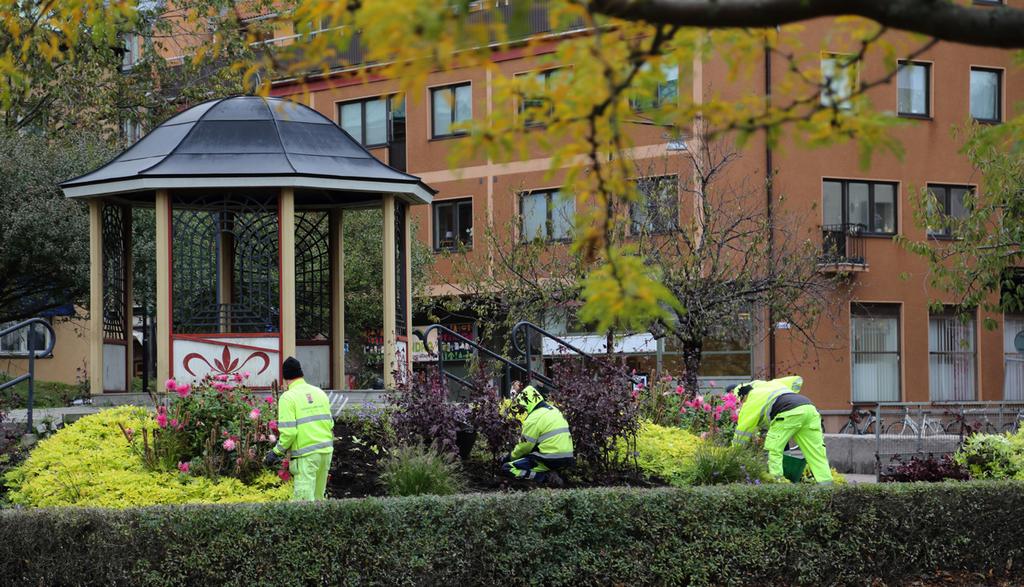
[(735, 535)]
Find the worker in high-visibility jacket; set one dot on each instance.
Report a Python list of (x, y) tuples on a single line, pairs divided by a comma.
[(305, 428), (778, 406), (545, 445)]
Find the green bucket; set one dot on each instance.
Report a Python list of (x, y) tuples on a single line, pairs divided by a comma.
[(793, 464)]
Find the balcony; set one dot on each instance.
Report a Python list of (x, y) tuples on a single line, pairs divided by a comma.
[(842, 248)]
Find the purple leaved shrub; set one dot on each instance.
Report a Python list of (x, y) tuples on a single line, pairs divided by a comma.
[(422, 414)]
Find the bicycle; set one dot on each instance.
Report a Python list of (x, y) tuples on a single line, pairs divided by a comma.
[(861, 422), (961, 427), (1013, 426), (909, 426)]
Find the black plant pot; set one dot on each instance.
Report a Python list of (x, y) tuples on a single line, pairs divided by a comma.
[(465, 439)]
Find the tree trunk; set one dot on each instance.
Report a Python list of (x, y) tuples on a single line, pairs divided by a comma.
[(691, 351)]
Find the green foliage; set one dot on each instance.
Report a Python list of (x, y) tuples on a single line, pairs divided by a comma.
[(992, 456), (719, 465), (47, 394), (664, 452), (91, 463), (730, 536), (421, 470)]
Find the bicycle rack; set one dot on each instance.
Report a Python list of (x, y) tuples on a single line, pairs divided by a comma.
[(32, 356)]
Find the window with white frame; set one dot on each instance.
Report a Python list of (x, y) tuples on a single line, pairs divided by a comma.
[(1013, 357), (546, 215), (16, 343), (875, 352), (453, 224), (657, 210), (951, 356), (838, 80)]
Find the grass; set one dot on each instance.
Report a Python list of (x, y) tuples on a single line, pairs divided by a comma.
[(48, 394), (419, 470)]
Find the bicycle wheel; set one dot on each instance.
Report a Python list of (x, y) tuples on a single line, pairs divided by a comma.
[(898, 428), (848, 429), (870, 428), (957, 428), (933, 428)]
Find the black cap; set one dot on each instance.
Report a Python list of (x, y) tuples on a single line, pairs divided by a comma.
[(291, 369), (731, 388)]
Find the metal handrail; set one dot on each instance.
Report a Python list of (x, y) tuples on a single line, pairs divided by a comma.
[(32, 356), (528, 351), (478, 348)]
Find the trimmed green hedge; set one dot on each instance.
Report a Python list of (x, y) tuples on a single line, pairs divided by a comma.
[(736, 535)]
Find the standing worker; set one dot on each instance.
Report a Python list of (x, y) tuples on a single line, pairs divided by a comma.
[(306, 428), (778, 406), (546, 443)]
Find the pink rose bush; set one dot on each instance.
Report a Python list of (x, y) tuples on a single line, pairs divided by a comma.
[(668, 403), (212, 428)]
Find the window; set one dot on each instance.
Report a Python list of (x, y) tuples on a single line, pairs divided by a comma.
[(658, 208), (875, 352), (838, 80), (951, 356), (453, 224), (449, 105), (870, 204), (665, 93), (1013, 357), (952, 202), (16, 343), (369, 121), (913, 83), (532, 106), (546, 215), (132, 51), (986, 94)]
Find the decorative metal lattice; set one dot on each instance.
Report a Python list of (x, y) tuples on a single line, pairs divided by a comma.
[(225, 272), (115, 261), (312, 276), (400, 282)]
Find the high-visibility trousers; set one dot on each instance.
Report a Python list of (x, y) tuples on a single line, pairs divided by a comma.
[(309, 473), (803, 425)]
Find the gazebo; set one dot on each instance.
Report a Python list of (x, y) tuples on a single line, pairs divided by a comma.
[(249, 196)]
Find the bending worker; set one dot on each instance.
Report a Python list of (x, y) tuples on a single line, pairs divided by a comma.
[(546, 443), (306, 429), (778, 406)]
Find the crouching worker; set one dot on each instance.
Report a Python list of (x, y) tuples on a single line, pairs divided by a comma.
[(545, 446), (777, 406), (306, 428)]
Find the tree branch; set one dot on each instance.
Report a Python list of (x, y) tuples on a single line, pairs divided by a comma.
[(998, 26)]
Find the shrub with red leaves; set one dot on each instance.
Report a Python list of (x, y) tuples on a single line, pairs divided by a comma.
[(422, 413), (929, 469)]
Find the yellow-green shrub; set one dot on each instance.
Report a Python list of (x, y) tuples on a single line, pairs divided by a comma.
[(91, 463), (663, 451)]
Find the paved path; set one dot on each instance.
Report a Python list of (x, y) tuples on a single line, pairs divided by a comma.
[(58, 416), (856, 478)]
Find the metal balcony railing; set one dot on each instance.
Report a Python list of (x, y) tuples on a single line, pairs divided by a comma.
[(842, 244)]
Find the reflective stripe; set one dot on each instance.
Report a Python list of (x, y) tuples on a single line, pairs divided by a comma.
[(308, 449), (291, 424), (741, 440), (552, 455), (744, 433), (279, 450), (768, 404), (551, 433), (315, 418), (529, 439)]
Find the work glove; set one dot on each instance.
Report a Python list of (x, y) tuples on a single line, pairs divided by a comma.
[(272, 459)]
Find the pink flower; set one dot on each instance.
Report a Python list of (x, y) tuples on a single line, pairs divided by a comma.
[(272, 438), (635, 394), (712, 384), (704, 435), (183, 390), (170, 385), (699, 399), (284, 474), (129, 433), (679, 390), (183, 467), (229, 445), (237, 377), (272, 425), (735, 417), (174, 423), (221, 377), (254, 414), (269, 399), (682, 409), (246, 374), (718, 415), (707, 407), (161, 420)]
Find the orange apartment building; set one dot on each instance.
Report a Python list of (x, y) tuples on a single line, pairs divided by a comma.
[(884, 343)]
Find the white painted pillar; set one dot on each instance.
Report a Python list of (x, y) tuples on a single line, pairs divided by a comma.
[(163, 287), (287, 272), (389, 292)]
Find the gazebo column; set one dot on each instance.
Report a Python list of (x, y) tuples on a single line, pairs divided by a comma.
[(407, 253), (96, 296), (337, 263), (389, 292), (129, 301), (225, 269), (287, 204), (163, 285)]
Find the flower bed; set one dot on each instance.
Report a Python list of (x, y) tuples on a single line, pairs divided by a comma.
[(93, 463), (860, 535)]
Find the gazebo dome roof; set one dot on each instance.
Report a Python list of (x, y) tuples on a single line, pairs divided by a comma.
[(248, 141)]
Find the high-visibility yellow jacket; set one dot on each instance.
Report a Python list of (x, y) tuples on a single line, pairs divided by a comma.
[(754, 412), (304, 421), (545, 433)]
